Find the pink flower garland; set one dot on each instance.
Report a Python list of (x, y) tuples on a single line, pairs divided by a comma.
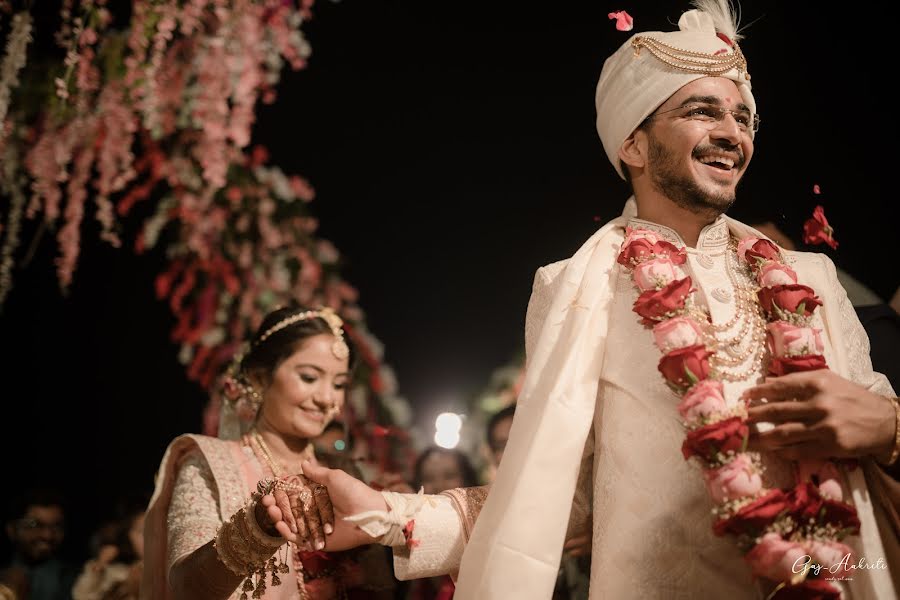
[(782, 532)]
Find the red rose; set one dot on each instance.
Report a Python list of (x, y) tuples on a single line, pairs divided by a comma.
[(805, 501), (794, 298), (793, 364), (317, 561), (686, 366), (635, 251), (754, 517), (641, 249), (817, 230), (810, 589), (841, 514), (656, 305), (758, 251), (712, 439)]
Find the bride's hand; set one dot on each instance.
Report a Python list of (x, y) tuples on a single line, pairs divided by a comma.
[(299, 510), (350, 497)]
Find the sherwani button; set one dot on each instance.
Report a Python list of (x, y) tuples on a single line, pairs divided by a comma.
[(721, 294)]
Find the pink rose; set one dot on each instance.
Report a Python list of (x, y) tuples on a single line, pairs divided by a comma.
[(831, 488), (824, 474), (677, 333), (737, 479), (703, 400), (785, 339), (829, 554), (776, 559), (656, 273), (624, 21), (776, 273), (640, 234)]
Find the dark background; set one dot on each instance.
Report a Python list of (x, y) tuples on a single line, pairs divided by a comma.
[(453, 149)]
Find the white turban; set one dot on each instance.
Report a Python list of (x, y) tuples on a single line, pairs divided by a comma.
[(635, 82)]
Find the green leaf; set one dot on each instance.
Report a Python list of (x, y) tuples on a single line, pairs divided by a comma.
[(691, 377)]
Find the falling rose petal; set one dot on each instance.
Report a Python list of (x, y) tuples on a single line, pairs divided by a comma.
[(624, 21), (817, 189), (816, 230)]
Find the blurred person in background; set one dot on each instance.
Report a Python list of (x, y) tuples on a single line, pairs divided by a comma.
[(36, 530)]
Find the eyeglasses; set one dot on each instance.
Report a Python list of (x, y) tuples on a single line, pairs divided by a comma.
[(711, 113)]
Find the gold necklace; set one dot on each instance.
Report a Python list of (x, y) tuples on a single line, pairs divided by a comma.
[(267, 456), (277, 469)]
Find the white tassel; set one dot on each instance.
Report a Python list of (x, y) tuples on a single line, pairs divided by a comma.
[(725, 15)]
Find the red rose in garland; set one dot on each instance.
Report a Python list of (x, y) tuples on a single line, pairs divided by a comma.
[(780, 301), (684, 367), (718, 438), (656, 305), (794, 364)]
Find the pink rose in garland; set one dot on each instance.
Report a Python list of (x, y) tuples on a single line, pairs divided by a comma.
[(756, 252), (677, 333), (776, 558), (632, 235), (785, 339), (780, 301), (829, 554), (685, 367), (738, 479), (656, 305), (656, 273), (774, 273), (719, 438), (702, 401), (824, 474)]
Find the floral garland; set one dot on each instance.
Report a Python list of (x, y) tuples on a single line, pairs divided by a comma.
[(784, 534)]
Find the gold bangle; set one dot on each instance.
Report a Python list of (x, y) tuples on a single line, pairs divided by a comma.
[(895, 453)]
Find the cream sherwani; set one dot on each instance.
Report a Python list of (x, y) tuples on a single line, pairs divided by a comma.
[(652, 534)]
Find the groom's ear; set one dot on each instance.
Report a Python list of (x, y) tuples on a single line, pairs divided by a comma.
[(633, 151)]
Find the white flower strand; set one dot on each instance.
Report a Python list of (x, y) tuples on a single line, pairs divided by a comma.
[(13, 60), (11, 187)]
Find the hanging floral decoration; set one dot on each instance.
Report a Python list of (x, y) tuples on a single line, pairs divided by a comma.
[(143, 122)]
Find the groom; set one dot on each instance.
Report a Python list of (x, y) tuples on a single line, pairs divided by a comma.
[(596, 422)]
